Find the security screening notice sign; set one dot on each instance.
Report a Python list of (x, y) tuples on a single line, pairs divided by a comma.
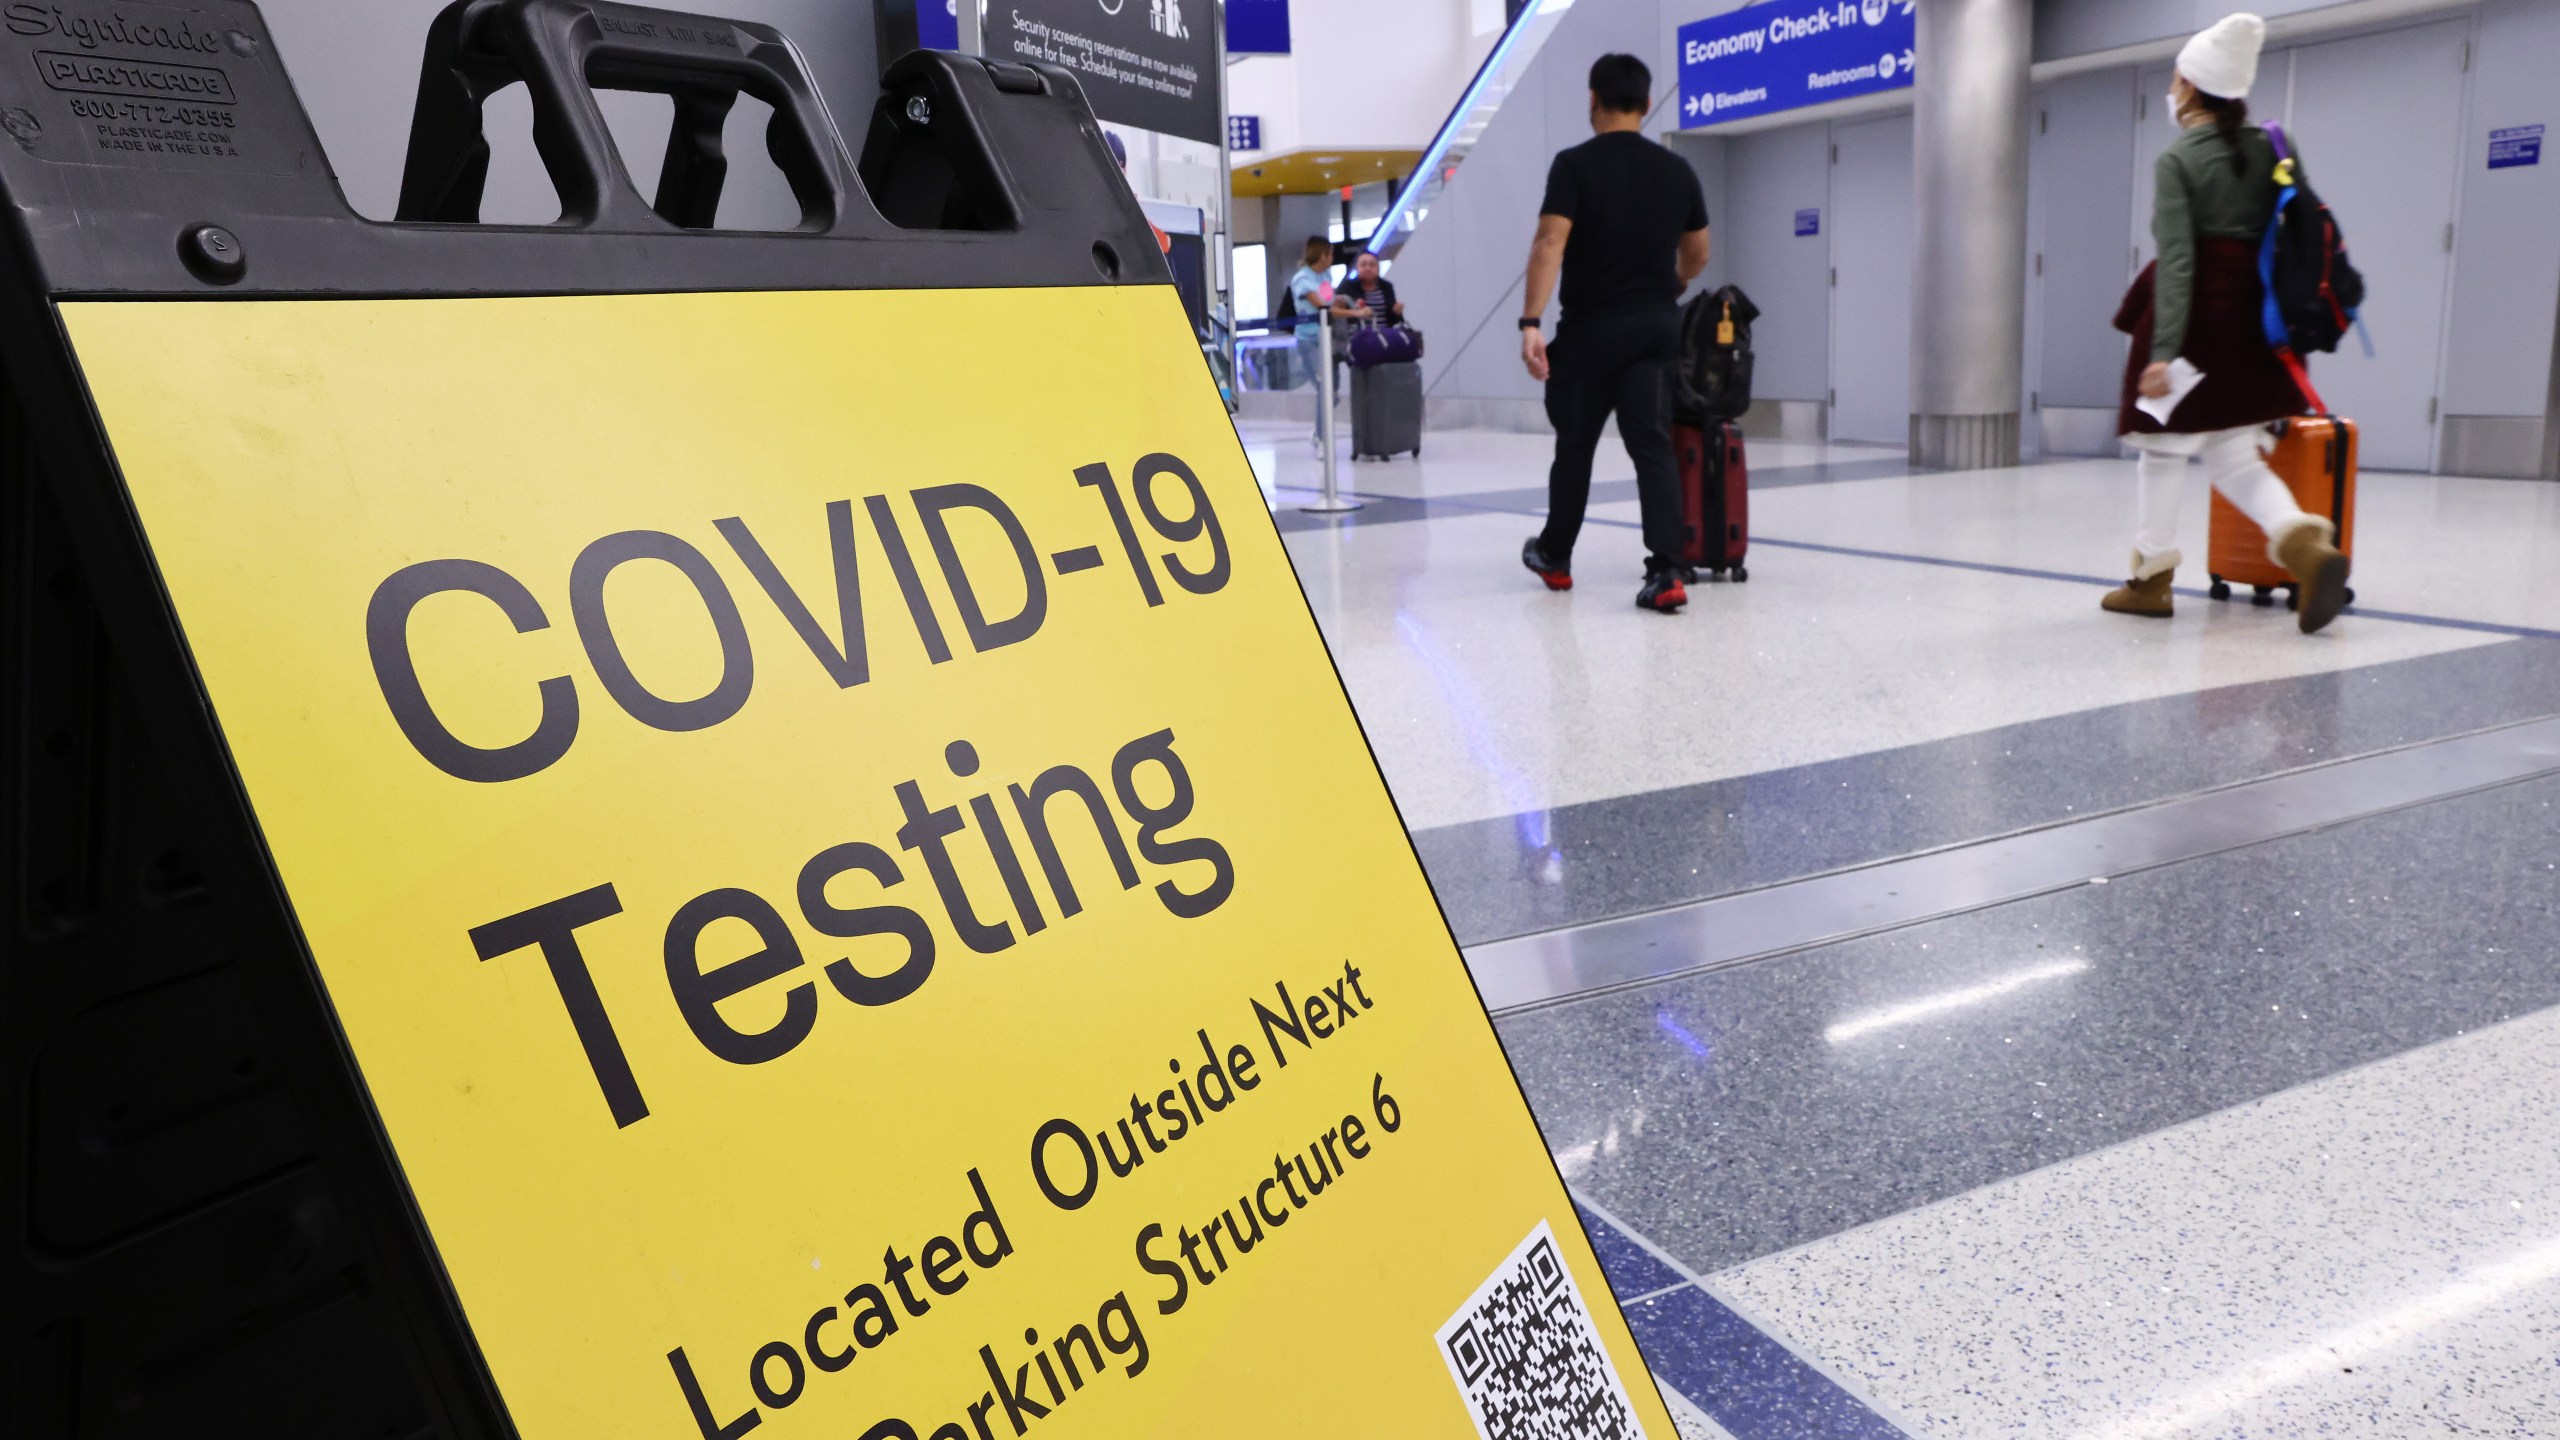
[(1788, 53), (856, 894), (1153, 64)]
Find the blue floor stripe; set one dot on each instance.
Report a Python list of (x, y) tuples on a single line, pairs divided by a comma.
[(2401, 617), (1745, 1381), (2021, 571), (1633, 1270), (2442, 622)]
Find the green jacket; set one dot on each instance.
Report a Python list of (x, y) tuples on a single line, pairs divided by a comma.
[(2196, 194)]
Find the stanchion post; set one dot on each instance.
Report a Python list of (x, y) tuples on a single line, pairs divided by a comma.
[(1333, 501)]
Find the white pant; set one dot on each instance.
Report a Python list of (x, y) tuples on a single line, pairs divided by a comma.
[(2234, 461)]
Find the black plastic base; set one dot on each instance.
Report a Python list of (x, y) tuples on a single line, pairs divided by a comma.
[(208, 1236)]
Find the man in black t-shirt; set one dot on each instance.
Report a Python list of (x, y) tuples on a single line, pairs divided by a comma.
[(1626, 225)]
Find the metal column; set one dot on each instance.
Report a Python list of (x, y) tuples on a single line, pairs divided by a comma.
[(1222, 227), (1969, 268)]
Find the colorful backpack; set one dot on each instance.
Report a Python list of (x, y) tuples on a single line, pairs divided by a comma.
[(2312, 291)]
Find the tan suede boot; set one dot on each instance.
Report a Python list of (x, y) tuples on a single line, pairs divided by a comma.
[(2147, 593), (2319, 572)]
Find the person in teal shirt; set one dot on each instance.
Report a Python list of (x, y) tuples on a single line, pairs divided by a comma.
[(1312, 290)]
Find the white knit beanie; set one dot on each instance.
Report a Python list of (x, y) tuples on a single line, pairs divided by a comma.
[(2223, 61)]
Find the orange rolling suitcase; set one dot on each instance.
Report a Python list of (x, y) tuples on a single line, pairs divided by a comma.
[(2316, 457)]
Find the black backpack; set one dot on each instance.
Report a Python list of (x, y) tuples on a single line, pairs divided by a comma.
[(2312, 292), (1715, 356)]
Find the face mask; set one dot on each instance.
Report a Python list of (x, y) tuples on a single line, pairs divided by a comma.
[(2175, 123)]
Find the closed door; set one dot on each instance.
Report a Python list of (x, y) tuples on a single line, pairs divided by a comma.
[(2078, 275), (2379, 121), (2153, 129), (1871, 211)]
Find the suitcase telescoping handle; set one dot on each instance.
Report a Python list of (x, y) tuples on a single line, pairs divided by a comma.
[(563, 51)]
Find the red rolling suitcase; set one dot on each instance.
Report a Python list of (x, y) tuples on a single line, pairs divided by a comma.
[(1715, 497)]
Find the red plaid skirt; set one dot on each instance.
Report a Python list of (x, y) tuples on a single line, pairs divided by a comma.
[(2244, 383)]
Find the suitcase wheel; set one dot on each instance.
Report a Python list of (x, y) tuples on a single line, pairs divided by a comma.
[(2220, 589), (2262, 595), (2351, 594), (1740, 574)]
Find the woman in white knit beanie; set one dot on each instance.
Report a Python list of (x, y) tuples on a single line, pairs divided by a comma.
[(2214, 194)]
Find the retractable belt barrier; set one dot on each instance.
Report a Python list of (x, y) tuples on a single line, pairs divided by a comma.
[(611, 834)]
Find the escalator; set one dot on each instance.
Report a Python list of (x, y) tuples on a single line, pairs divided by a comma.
[(1504, 67)]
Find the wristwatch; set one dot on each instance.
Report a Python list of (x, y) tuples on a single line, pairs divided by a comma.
[(1528, 322)]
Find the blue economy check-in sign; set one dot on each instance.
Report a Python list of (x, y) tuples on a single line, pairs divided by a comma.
[(1765, 58)]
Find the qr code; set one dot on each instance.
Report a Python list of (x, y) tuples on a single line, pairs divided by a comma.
[(1528, 1359)]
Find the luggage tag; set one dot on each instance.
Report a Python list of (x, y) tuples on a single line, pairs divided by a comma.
[(1724, 327)]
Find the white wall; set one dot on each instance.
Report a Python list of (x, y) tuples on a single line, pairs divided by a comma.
[(2065, 28), (1267, 86), (1365, 75), (1710, 157)]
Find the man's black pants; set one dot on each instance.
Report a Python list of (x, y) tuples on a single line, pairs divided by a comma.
[(1621, 361)]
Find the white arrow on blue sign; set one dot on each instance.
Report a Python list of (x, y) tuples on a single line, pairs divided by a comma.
[(1776, 56)]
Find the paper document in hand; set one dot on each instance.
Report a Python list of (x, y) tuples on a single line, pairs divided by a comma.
[(2183, 377)]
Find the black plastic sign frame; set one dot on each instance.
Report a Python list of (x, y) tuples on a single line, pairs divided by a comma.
[(206, 1234)]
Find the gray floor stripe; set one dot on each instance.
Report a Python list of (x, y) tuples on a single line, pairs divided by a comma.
[(1578, 864), (1533, 970)]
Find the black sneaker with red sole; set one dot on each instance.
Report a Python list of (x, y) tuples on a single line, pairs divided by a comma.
[(1533, 555), (1663, 592)]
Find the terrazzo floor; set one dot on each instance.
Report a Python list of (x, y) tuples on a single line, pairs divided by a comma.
[(2377, 1253), (2260, 1143), (1488, 697)]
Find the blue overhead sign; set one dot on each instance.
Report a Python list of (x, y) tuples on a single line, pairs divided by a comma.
[(937, 25), (1765, 58), (1257, 27)]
